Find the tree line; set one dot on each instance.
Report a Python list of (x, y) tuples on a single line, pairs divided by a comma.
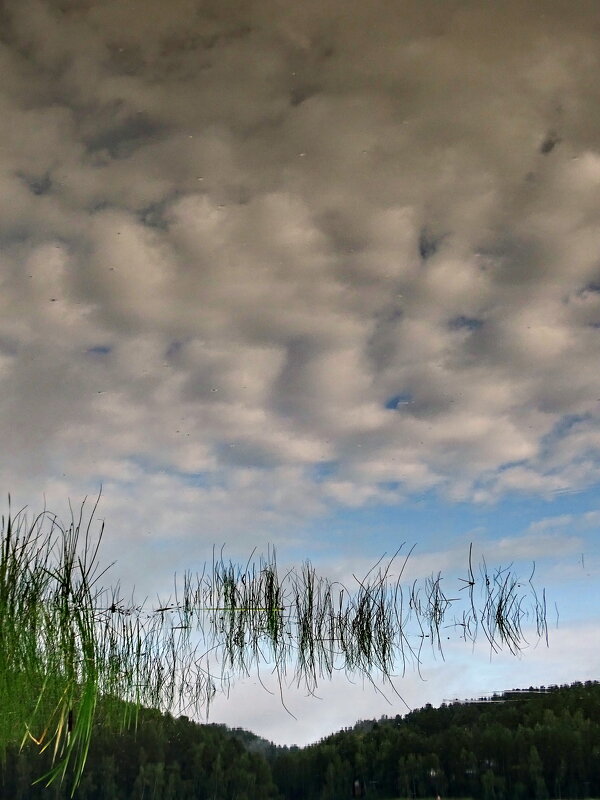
[(521, 744), (534, 743)]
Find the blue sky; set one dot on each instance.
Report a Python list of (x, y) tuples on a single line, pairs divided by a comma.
[(322, 276)]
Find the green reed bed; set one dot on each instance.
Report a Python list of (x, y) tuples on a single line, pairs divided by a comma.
[(73, 653)]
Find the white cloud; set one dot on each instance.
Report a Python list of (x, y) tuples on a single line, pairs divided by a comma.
[(534, 546), (248, 231)]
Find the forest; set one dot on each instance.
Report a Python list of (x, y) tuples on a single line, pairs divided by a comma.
[(533, 743)]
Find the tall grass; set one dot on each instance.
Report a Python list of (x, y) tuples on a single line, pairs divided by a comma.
[(48, 642), (73, 652)]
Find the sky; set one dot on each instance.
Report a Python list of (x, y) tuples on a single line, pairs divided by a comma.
[(320, 275)]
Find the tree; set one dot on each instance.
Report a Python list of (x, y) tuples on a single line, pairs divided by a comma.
[(338, 778), (536, 775), (72, 650)]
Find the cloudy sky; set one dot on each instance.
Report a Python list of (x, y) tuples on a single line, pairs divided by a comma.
[(322, 275)]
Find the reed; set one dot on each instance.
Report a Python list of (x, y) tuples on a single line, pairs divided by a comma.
[(74, 653)]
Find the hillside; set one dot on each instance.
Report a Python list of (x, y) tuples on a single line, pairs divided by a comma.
[(535, 743), (520, 744)]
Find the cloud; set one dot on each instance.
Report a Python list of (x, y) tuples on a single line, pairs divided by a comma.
[(589, 519), (231, 235), (534, 546)]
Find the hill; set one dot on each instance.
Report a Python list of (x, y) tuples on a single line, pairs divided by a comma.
[(536, 743)]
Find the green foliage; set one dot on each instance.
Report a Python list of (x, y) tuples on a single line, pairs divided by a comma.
[(48, 659), (67, 643), (522, 745), (163, 758)]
